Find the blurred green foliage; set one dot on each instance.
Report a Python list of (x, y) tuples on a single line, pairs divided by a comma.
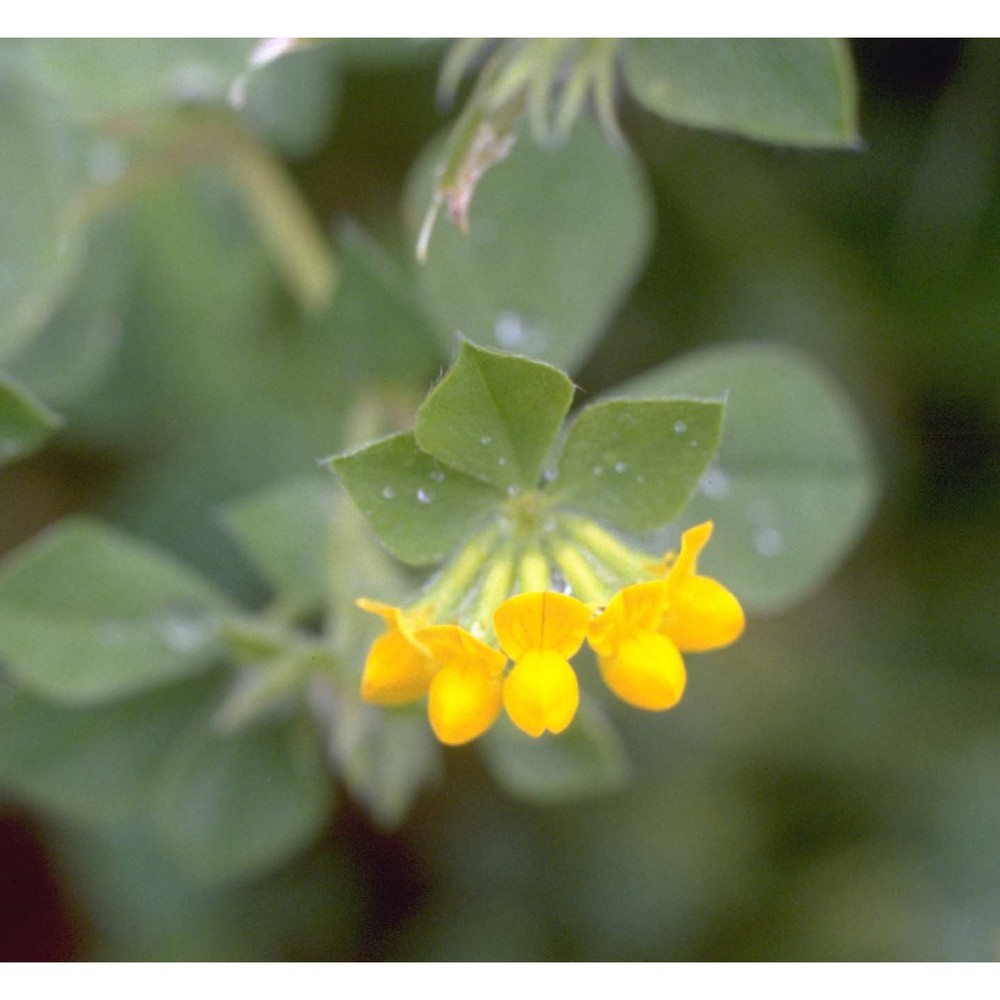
[(173, 289)]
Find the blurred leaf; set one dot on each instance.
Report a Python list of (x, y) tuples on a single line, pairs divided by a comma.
[(385, 758), (232, 806), (586, 759), (799, 91), (635, 463), (419, 508), (557, 238), (388, 53), (97, 765), (379, 323), (90, 615), (74, 349), (39, 171), (141, 906), (286, 531), (494, 416), (794, 483), (100, 77), (24, 422), (291, 101)]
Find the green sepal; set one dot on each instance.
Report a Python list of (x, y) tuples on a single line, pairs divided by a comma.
[(25, 422), (634, 463), (495, 416), (796, 91), (419, 508), (89, 615), (233, 805)]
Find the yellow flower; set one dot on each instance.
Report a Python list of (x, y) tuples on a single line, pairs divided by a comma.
[(702, 614), (540, 632), (400, 665), (466, 692), (637, 661)]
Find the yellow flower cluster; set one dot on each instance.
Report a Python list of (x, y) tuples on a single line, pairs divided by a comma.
[(638, 638)]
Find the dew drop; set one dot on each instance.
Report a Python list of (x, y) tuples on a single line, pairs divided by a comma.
[(560, 583), (640, 478), (182, 633), (388, 492), (598, 470), (693, 443), (476, 628), (423, 496), (768, 542), (619, 467), (513, 490), (437, 476), (550, 475), (680, 427), (550, 525), (715, 485), (501, 460), (486, 439)]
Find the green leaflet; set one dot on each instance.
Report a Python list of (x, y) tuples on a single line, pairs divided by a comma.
[(24, 422), (286, 531), (557, 236), (419, 508), (495, 416), (39, 174), (635, 463), (89, 615), (234, 805), (99, 77), (799, 91), (96, 764), (794, 482)]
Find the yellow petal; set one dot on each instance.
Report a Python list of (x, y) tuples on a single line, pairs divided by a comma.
[(541, 693), (466, 692), (541, 621), (396, 619), (396, 672), (465, 701), (646, 671), (703, 615), (640, 607), (692, 542)]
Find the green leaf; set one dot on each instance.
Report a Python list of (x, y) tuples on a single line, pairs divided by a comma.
[(799, 91), (379, 323), (586, 759), (39, 171), (75, 348), (24, 422), (557, 237), (419, 508), (97, 765), (495, 416), (385, 757), (88, 615), (233, 806), (635, 463), (291, 101), (286, 531), (100, 77), (794, 482)]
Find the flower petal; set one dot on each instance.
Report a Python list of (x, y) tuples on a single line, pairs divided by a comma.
[(541, 621), (396, 672), (640, 607), (646, 670), (703, 615), (541, 693), (464, 702)]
